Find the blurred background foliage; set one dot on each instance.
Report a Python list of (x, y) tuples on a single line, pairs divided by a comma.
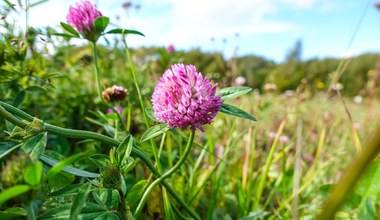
[(52, 78)]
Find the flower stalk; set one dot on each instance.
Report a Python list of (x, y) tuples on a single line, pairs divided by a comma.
[(166, 175), (142, 105), (97, 73)]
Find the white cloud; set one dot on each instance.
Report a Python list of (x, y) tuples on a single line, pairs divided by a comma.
[(188, 24), (193, 23)]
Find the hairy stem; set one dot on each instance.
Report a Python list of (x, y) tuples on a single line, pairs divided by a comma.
[(167, 174)]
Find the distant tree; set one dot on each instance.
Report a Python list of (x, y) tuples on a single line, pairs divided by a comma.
[(295, 54)]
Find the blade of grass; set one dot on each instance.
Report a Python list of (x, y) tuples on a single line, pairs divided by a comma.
[(297, 171), (269, 160), (245, 169), (217, 181), (321, 143), (350, 177)]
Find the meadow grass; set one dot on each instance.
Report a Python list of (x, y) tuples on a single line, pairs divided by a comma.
[(282, 166), (295, 173)]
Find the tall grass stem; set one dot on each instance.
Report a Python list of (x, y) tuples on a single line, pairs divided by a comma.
[(269, 160), (353, 172)]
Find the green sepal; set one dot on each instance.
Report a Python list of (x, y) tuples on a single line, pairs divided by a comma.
[(101, 23)]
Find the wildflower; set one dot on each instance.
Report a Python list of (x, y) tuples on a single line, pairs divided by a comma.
[(284, 139), (12, 173), (82, 17), (115, 93), (183, 97), (357, 125), (240, 81), (337, 86), (270, 87), (170, 48), (358, 99), (118, 108), (272, 135)]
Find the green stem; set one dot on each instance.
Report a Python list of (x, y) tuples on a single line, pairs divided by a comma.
[(155, 154), (27, 6), (123, 206), (162, 144), (99, 85), (6, 109), (8, 116), (97, 74), (167, 174), (30, 211), (136, 83)]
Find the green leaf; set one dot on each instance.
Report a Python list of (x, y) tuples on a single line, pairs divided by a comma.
[(368, 211), (12, 192), (37, 3), (79, 201), (235, 111), (124, 31), (10, 49), (8, 147), (135, 193), (101, 23), (62, 164), (69, 36), (19, 99), (12, 213), (90, 211), (154, 132), (368, 185), (233, 92), (150, 113), (62, 179), (124, 149), (126, 164), (106, 196), (100, 160), (35, 145), (37, 89), (33, 173), (109, 216), (70, 29), (68, 190)]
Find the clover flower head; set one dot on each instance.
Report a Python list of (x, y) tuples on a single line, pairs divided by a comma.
[(82, 17), (114, 93), (170, 48), (183, 98)]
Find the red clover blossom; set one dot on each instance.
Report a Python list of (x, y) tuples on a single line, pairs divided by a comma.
[(114, 94), (183, 97), (82, 18)]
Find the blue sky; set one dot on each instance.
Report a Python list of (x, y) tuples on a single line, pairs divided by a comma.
[(266, 28)]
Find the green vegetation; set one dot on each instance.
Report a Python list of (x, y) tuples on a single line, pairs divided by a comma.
[(62, 156)]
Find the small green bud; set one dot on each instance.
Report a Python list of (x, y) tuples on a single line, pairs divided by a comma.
[(110, 177)]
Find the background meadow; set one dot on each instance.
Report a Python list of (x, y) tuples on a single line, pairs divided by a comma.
[(313, 118)]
